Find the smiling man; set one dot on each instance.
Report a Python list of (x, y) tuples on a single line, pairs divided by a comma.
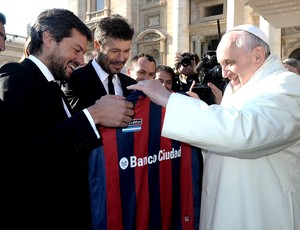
[(142, 67), (112, 42), (49, 145)]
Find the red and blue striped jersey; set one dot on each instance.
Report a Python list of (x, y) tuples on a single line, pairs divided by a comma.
[(141, 180)]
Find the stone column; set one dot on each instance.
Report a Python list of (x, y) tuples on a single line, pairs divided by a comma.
[(88, 10), (89, 6), (248, 18), (180, 26), (273, 34), (235, 13)]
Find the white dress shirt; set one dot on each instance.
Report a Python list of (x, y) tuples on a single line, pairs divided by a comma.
[(103, 77)]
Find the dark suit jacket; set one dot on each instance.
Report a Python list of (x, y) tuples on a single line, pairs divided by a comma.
[(85, 87), (46, 182)]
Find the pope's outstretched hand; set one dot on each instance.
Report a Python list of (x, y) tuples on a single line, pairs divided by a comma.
[(154, 90)]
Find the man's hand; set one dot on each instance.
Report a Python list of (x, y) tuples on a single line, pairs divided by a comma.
[(191, 93), (112, 111), (177, 59)]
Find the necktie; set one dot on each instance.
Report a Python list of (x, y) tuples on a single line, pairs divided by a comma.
[(111, 88)]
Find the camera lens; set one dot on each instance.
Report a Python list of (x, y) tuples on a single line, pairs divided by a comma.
[(186, 61)]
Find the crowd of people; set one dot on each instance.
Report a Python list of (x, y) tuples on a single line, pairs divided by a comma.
[(60, 101)]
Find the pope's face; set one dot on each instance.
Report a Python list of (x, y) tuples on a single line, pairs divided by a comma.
[(238, 65)]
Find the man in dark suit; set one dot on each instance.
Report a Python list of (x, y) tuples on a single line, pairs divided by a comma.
[(112, 41), (46, 181)]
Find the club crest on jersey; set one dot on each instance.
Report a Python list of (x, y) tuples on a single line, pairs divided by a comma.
[(134, 126)]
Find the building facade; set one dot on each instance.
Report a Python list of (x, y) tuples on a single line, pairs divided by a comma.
[(163, 27), (14, 46)]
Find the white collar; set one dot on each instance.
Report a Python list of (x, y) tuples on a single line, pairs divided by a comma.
[(42, 67), (100, 72)]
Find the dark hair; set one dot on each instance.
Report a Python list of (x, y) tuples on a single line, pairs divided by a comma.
[(167, 69), (59, 23), (114, 26), (2, 18), (138, 56)]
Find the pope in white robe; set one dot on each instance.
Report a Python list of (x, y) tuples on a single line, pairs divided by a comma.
[(251, 142)]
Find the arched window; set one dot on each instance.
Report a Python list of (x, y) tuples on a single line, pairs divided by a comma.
[(295, 54)]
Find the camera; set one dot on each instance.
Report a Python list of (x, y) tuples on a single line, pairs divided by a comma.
[(186, 60), (209, 71)]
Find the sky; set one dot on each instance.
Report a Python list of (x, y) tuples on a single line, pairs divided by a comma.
[(20, 13)]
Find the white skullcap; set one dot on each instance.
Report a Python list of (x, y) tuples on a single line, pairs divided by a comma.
[(253, 30)]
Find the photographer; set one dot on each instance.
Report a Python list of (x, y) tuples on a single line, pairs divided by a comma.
[(185, 69), (212, 84)]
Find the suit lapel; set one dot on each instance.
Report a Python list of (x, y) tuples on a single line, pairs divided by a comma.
[(97, 85), (51, 93), (57, 96), (125, 81)]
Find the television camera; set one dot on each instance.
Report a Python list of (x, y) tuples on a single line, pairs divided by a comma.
[(209, 71)]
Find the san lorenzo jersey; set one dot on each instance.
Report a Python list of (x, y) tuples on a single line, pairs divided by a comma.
[(141, 180)]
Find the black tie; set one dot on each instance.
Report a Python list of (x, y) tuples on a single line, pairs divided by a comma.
[(111, 88)]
